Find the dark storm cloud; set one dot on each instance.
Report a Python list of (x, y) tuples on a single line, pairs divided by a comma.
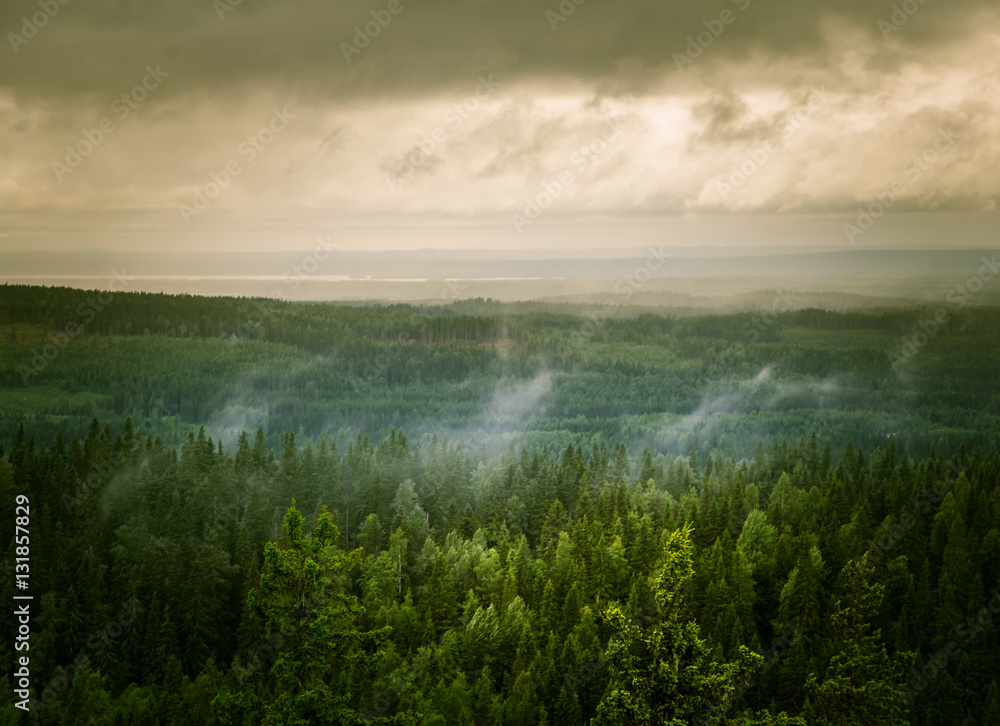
[(96, 47), (706, 92)]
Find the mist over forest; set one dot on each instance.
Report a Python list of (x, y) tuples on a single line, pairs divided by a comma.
[(476, 511), (499, 363)]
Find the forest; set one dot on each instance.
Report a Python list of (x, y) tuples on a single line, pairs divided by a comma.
[(488, 374), (257, 512)]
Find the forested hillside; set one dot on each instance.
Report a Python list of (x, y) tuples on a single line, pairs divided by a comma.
[(488, 374), (256, 512), (440, 588)]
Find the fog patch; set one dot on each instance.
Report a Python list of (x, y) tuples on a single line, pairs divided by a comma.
[(762, 392), (512, 405)]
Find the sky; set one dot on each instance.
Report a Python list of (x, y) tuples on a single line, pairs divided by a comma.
[(224, 125)]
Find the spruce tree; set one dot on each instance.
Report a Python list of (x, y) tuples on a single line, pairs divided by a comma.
[(861, 685), (316, 657), (664, 674)]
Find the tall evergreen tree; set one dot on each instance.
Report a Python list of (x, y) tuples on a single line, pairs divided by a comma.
[(862, 683), (664, 674), (318, 655)]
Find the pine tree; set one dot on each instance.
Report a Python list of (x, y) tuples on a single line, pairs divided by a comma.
[(647, 469), (316, 649), (664, 674), (991, 711), (861, 686)]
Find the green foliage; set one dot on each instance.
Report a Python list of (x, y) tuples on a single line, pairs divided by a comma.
[(664, 674), (861, 685), (562, 572), (670, 381), (315, 675)]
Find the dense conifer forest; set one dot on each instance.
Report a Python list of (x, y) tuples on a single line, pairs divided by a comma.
[(491, 374), (255, 512)]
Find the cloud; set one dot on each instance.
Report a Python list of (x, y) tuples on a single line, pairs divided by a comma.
[(686, 129), (89, 47)]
